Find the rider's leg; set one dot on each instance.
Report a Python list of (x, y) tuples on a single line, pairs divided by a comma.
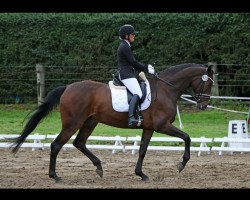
[(134, 87), (133, 105)]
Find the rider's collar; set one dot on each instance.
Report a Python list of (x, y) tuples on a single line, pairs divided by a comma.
[(127, 42)]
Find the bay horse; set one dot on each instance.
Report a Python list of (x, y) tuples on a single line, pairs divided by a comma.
[(86, 103)]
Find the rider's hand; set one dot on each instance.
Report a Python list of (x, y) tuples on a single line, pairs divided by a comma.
[(151, 69)]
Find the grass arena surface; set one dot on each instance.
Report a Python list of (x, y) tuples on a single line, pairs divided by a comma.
[(207, 123), (29, 169)]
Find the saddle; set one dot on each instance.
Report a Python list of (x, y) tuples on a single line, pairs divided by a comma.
[(142, 78)]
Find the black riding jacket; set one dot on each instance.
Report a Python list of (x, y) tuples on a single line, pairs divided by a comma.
[(127, 65)]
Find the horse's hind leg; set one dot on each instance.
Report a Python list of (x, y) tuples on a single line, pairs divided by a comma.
[(56, 146), (146, 136), (80, 143)]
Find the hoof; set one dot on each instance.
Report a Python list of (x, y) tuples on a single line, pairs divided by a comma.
[(99, 172), (180, 167), (145, 178), (56, 178)]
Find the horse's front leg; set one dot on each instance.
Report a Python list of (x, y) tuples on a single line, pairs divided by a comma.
[(146, 136), (171, 130)]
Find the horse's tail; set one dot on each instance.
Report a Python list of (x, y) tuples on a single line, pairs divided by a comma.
[(51, 101)]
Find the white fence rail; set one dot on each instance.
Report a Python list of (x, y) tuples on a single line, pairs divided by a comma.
[(225, 145), (203, 144), (118, 143), (117, 140), (218, 97)]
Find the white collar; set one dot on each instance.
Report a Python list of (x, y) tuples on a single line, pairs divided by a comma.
[(127, 42)]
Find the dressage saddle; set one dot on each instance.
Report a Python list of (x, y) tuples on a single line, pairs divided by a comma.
[(117, 82)]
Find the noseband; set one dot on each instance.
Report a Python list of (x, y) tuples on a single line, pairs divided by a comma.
[(197, 97)]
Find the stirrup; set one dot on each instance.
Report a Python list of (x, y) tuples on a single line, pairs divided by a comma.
[(132, 121), (140, 120)]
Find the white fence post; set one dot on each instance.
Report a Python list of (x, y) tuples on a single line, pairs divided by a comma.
[(37, 141), (136, 144), (118, 143), (40, 83)]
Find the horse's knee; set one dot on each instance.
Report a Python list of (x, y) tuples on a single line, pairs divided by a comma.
[(55, 147), (187, 139)]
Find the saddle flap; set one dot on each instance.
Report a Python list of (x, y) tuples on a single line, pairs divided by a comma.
[(120, 97)]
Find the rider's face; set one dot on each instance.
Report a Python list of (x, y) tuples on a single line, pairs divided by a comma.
[(131, 37)]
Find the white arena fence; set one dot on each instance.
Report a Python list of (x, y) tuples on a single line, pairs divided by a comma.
[(186, 96), (124, 144), (218, 97)]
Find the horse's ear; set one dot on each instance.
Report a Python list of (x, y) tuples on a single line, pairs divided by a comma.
[(209, 70)]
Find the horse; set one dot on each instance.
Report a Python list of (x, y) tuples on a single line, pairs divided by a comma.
[(86, 103)]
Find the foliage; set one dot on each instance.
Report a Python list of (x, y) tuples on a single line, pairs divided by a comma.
[(92, 38), (88, 41)]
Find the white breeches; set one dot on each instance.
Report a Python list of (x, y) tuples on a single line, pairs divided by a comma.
[(133, 86)]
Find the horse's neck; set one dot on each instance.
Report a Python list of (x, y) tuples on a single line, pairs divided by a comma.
[(181, 79), (160, 87)]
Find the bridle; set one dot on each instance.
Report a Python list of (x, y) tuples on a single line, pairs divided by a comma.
[(197, 97)]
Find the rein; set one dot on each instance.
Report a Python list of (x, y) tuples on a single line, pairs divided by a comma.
[(168, 83), (196, 97)]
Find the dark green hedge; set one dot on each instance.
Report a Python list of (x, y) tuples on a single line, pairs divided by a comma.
[(89, 41), (92, 38)]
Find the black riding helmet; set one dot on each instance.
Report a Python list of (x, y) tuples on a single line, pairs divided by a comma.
[(126, 30)]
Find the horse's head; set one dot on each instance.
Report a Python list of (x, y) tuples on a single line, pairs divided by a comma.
[(202, 86)]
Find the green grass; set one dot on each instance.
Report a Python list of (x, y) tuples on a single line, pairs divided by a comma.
[(209, 123)]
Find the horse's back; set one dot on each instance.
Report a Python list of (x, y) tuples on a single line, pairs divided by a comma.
[(86, 89), (85, 85)]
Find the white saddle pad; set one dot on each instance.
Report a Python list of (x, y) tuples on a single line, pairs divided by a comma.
[(120, 97)]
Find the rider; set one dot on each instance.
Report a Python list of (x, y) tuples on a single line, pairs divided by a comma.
[(129, 69)]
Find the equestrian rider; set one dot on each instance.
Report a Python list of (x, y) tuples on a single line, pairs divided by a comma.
[(129, 69)]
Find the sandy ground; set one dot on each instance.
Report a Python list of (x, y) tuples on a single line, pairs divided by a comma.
[(29, 169)]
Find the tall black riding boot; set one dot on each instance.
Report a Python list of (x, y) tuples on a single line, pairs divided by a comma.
[(131, 111)]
